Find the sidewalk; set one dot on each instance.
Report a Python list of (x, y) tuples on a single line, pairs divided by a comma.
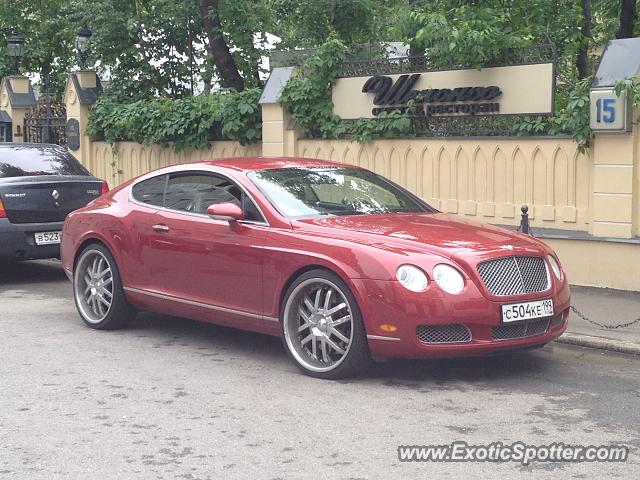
[(607, 307)]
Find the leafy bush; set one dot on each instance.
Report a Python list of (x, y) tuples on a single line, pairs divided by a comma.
[(630, 85), (189, 121), (307, 95), (571, 117)]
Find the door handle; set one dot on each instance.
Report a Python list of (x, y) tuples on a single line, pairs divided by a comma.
[(160, 228)]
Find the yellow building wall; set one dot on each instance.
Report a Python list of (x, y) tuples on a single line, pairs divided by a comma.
[(599, 263), (125, 160), (485, 179)]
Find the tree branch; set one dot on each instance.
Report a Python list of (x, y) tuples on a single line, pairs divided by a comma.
[(582, 57), (628, 17), (217, 46)]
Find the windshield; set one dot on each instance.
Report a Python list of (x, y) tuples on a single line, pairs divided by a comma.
[(309, 193), (28, 160)]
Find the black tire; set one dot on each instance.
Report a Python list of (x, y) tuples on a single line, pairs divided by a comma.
[(87, 293), (328, 362)]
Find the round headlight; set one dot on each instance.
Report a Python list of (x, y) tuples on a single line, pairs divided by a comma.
[(412, 278), (554, 266), (449, 279)]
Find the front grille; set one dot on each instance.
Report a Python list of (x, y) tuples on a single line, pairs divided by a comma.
[(525, 329), (454, 333), (514, 275)]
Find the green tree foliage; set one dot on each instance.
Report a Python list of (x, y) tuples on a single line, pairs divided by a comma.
[(142, 44), (469, 34), (469, 31), (48, 34), (310, 23)]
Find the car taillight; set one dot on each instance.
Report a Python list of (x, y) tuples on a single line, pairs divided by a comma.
[(105, 187), (3, 212)]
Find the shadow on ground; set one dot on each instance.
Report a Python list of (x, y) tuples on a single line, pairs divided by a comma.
[(29, 272), (270, 350)]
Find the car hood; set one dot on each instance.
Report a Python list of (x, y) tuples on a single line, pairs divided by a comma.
[(440, 233)]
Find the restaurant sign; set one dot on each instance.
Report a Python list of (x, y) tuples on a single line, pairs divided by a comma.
[(513, 90)]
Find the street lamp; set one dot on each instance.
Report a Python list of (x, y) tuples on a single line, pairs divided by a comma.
[(15, 49), (82, 45)]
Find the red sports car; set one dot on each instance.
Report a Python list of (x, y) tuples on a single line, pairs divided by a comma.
[(342, 263)]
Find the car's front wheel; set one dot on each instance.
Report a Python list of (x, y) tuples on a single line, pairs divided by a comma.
[(98, 290), (322, 326)]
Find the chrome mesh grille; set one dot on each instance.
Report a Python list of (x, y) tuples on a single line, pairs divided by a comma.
[(514, 275), (525, 329), (454, 333)]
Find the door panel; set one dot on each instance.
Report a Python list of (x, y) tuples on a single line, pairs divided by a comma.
[(140, 266), (210, 262), (139, 260)]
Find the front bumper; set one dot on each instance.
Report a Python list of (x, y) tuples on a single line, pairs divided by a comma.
[(387, 303), (17, 240)]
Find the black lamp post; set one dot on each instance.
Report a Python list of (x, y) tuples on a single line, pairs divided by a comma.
[(15, 49), (82, 45)]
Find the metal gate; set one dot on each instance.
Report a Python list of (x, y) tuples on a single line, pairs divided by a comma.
[(46, 123)]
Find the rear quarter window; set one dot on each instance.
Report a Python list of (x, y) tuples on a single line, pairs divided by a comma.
[(150, 191), (25, 161)]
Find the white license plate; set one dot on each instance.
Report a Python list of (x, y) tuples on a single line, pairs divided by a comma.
[(515, 312), (46, 238)]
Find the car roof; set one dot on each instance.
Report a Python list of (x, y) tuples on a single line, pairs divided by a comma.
[(32, 146), (247, 164)]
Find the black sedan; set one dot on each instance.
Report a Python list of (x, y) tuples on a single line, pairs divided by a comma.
[(40, 185)]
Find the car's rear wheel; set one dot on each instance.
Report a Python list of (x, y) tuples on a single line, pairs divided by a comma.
[(98, 290), (323, 330)]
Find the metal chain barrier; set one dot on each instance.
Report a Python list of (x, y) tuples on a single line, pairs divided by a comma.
[(602, 325), (525, 227)]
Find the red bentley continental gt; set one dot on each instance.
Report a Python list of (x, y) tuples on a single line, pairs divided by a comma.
[(342, 263)]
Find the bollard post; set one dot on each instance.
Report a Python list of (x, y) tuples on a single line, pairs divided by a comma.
[(524, 223)]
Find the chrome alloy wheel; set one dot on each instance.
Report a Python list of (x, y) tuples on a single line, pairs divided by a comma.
[(318, 325), (93, 286)]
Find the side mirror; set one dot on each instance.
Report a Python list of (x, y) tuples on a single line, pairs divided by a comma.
[(225, 211)]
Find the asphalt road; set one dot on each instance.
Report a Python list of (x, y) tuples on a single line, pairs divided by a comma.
[(170, 398)]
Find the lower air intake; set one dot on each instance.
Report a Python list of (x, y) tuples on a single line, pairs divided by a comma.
[(454, 333), (529, 328)]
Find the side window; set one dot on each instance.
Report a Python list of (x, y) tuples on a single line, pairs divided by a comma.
[(195, 192), (150, 191)]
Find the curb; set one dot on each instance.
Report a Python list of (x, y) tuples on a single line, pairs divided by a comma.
[(600, 343)]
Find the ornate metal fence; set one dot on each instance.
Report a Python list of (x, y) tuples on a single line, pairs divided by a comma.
[(46, 123), (397, 65)]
